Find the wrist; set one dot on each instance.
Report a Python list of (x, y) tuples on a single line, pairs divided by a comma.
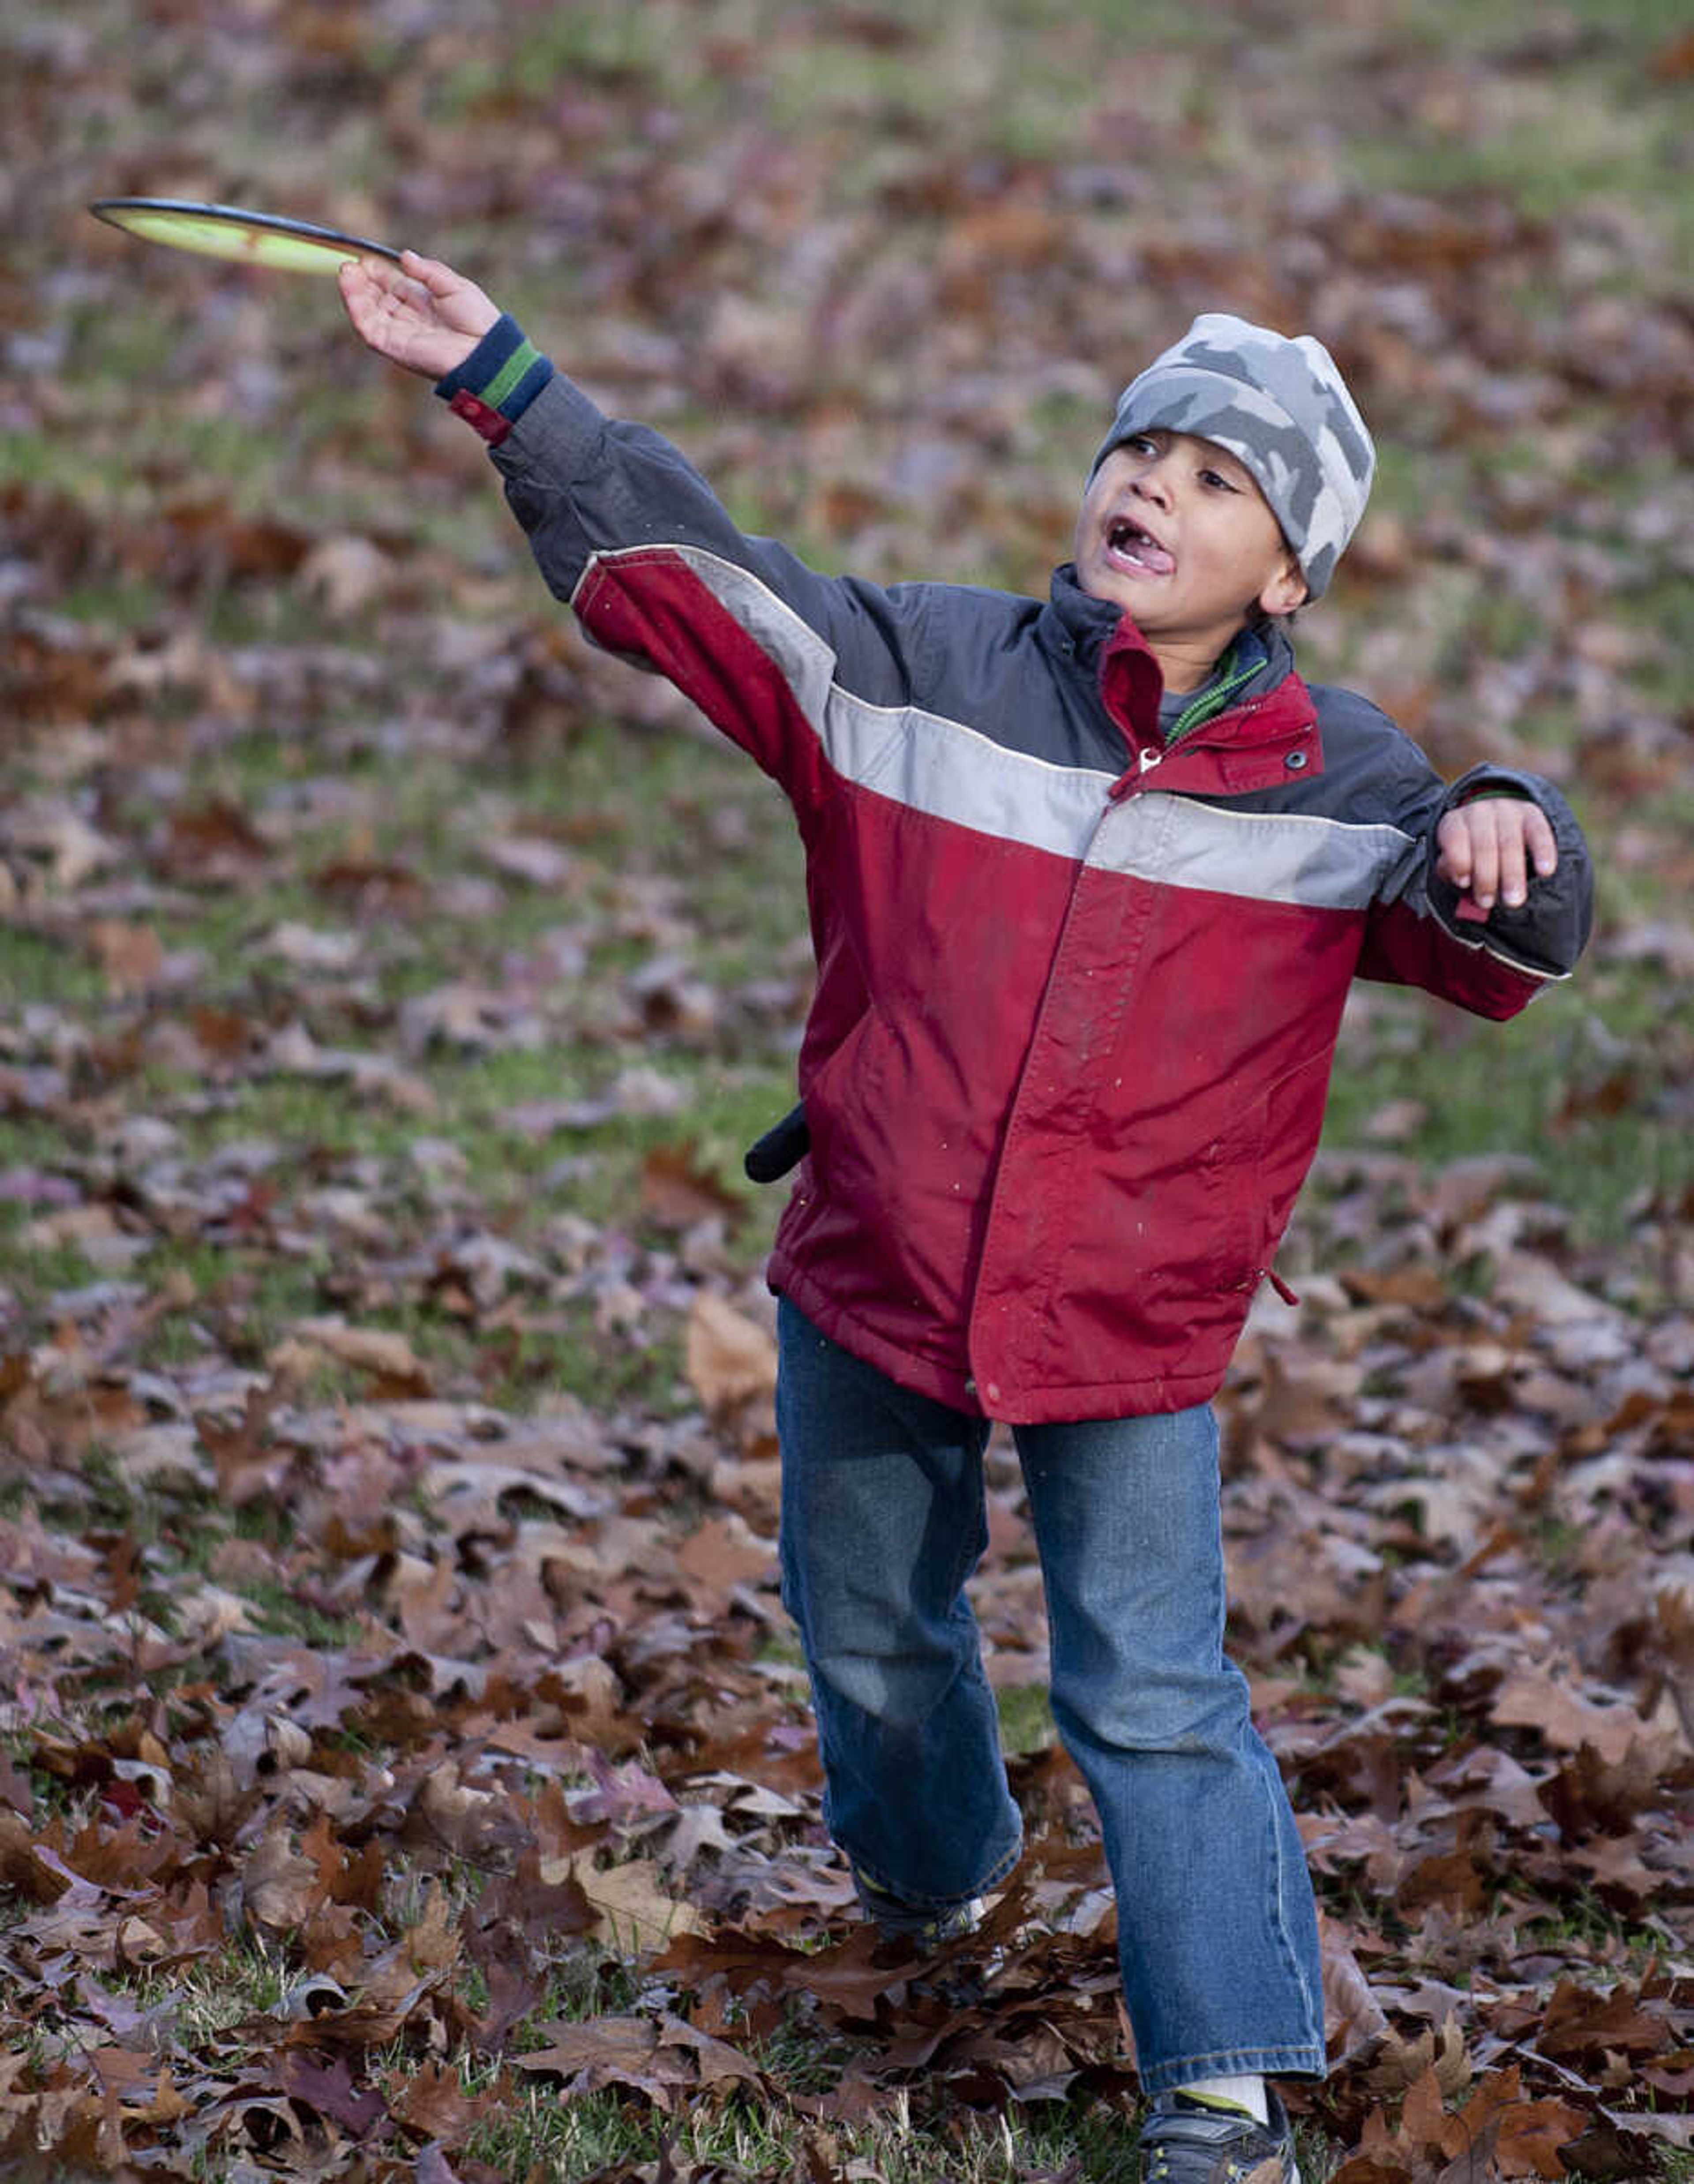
[(496, 380)]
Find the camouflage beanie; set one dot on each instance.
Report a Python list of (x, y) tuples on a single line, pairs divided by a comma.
[(1279, 405)]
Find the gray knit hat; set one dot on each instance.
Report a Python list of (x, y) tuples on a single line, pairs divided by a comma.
[(1281, 406)]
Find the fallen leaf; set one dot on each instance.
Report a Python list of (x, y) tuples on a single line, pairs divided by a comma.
[(728, 1359), (278, 1887)]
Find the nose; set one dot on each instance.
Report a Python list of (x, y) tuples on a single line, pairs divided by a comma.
[(1152, 480)]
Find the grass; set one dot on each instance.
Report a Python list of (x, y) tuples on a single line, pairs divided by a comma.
[(538, 2133), (912, 124), (744, 908), (1536, 1084), (1552, 156), (1026, 1719), (209, 1996), (734, 930)]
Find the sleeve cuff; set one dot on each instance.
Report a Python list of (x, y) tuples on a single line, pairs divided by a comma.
[(496, 381)]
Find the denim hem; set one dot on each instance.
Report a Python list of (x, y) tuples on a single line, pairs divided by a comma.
[(1301, 2062), (996, 1872)]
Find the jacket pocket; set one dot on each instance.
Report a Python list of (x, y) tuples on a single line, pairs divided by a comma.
[(837, 1098), (1290, 1123)]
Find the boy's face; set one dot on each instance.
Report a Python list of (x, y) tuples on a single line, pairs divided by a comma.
[(1174, 530)]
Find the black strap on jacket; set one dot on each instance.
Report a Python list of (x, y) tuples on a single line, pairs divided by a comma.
[(783, 1147)]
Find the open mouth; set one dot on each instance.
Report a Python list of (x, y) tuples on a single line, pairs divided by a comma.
[(1132, 547)]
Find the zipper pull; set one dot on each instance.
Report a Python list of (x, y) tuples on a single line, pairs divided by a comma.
[(1149, 756)]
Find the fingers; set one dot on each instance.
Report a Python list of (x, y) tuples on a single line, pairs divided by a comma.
[(448, 297), (419, 314), (1452, 839), (1488, 854), (1488, 849), (370, 301), (1538, 839), (362, 296), (1453, 864), (396, 316), (439, 279)]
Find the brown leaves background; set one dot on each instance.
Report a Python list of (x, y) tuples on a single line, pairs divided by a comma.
[(399, 1732)]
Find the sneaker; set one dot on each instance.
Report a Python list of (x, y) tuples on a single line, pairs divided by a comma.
[(899, 1921), (1186, 2141)]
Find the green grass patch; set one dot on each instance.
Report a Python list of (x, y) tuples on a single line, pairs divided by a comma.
[(1026, 1719), (1574, 1082), (540, 2135)]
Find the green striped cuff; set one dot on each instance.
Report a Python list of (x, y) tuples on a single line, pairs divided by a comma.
[(497, 381)]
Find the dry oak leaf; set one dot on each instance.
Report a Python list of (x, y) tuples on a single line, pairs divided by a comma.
[(729, 1358), (1577, 2021), (1677, 2131), (1400, 2063), (327, 2089), (346, 575), (677, 1190), (130, 955), (51, 836), (1530, 1698), (725, 1552), (433, 2103), (665, 2059), (586, 1692), (1497, 2134), (22, 1867), (1354, 2018), (632, 1910), (278, 1887), (844, 1977), (388, 1358), (1500, 2133)]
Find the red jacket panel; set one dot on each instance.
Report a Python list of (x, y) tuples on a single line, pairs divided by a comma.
[(1078, 996)]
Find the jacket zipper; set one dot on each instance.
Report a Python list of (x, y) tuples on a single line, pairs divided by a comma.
[(1149, 756), (1212, 707)]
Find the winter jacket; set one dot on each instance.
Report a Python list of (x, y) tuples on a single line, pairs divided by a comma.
[(1078, 994)]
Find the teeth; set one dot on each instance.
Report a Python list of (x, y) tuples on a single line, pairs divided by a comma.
[(1128, 539)]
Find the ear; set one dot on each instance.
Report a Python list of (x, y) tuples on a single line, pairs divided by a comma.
[(1286, 590)]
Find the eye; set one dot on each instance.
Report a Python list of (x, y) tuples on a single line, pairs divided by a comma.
[(1217, 479), (1143, 443)]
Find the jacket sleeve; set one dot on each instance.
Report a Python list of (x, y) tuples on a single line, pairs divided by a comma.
[(1415, 936), (626, 529)]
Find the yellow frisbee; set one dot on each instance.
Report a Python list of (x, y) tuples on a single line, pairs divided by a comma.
[(250, 238)]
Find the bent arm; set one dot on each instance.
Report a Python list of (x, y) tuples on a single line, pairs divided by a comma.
[(1434, 928)]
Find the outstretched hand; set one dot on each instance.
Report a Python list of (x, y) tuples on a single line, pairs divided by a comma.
[(1487, 848), (420, 314)]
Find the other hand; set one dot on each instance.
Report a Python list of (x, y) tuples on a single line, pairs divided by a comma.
[(1487, 848), (420, 314)]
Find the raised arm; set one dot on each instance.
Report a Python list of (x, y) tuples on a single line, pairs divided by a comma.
[(783, 659)]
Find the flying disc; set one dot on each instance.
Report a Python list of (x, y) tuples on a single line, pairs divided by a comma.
[(253, 238)]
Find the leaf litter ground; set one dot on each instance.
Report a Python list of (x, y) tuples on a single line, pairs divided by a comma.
[(406, 1769)]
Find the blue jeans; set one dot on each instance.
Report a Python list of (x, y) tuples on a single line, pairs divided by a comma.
[(882, 1523)]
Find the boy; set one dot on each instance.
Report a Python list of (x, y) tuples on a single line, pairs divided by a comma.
[(1088, 879)]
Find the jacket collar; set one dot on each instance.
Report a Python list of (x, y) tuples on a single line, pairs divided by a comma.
[(1105, 641), (1075, 622)]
